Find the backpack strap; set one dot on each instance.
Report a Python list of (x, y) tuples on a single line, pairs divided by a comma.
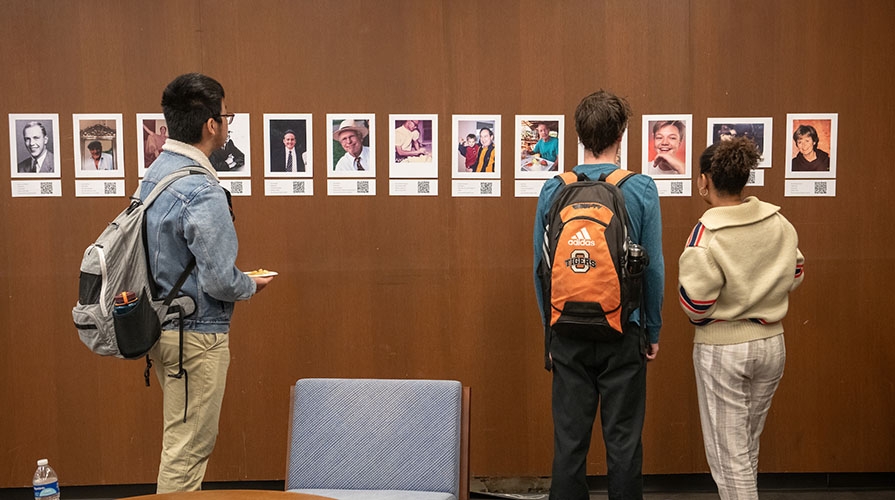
[(617, 177), (167, 181), (156, 191), (568, 177)]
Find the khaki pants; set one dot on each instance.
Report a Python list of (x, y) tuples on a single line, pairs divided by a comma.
[(735, 384), (187, 446)]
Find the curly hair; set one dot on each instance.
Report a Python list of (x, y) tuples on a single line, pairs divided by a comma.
[(728, 164)]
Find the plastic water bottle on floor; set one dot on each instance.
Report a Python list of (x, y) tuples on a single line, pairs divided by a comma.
[(46, 482)]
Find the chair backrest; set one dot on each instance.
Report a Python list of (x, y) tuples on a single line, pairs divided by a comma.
[(375, 434)]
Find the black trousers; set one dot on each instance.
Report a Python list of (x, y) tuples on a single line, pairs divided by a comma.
[(611, 375)]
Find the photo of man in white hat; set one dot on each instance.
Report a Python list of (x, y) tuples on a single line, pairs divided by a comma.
[(350, 134)]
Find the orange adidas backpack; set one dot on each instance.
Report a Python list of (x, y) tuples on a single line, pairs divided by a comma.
[(589, 290)]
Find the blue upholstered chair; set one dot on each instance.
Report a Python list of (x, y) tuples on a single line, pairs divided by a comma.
[(370, 439)]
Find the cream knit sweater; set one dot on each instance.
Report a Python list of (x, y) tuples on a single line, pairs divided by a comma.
[(736, 273)]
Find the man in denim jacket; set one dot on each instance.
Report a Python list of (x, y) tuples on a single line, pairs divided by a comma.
[(191, 218)]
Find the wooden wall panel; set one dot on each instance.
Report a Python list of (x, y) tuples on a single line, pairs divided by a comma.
[(441, 287)]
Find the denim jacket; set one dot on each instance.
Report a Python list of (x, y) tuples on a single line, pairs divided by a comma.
[(192, 218)]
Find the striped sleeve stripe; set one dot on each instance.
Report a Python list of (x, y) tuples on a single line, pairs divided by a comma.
[(799, 271), (696, 306), (696, 235), (703, 322), (758, 320)]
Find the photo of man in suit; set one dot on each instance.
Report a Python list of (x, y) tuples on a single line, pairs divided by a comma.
[(40, 159), (288, 158)]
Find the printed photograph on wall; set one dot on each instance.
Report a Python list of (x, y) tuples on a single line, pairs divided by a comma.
[(412, 146), (476, 146), (288, 150), (34, 145), (233, 159), (99, 149), (666, 146), (811, 145), (351, 147), (152, 132), (758, 130), (539, 146)]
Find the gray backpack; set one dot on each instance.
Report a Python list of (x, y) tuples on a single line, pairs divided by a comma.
[(118, 263)]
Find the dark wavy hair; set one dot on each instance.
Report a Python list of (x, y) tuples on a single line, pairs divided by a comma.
[(188, 102), (728, 164), (600, 119)]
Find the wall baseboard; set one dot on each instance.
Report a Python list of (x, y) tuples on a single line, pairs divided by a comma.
[(670, 483), (703, 482)]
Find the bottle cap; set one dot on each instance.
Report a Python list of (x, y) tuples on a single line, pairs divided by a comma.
[(42, 462)]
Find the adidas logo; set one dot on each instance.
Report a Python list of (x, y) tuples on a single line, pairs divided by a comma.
[(581, 239)]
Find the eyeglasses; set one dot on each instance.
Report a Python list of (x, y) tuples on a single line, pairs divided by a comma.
[(229, 117)]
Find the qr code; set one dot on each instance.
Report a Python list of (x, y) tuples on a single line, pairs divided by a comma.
[(422, 187), (751, 177), (110, 188), (363, 187), (46, 188), (298, 187), (236, 187), (820, 188), (486, 188), (677, 187)]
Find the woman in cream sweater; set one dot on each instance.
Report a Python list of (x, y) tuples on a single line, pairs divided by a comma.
[(740, 263)]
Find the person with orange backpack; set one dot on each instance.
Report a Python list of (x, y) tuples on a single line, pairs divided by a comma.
[(599, 281)]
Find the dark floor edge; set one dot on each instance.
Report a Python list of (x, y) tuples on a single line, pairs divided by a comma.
[(776, 481), (653, 483), (671, 483)]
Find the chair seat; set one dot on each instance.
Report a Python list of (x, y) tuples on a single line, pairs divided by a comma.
[(377, 494)]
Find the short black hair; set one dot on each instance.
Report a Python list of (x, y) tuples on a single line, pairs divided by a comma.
[(289, 131), (600, 120), (188, 102), (806, 130), (471, 136), (728, 164), (490, 132), (95, 145)]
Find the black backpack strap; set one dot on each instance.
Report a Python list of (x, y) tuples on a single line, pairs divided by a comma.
[(172, 294), (147, 370), (618, 177), (181, 372), (150, 198), (180, 281)]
